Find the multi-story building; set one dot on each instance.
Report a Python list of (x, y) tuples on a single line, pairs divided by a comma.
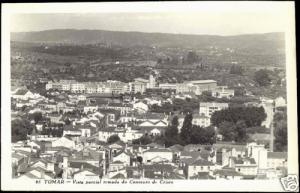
[(64, 85), (201, 120), (203, 85), (207, 109), (78, 87), (168, 86), (222, 92), (184, 87), (139, 85), (91, 88), (246, 166)]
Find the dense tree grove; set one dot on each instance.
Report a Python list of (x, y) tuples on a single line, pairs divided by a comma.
[(262, 77), (227, 130), (190, 134), (180, 105), (252, 116), (20, 128), (202, 135), (236, 123), (236, 70)]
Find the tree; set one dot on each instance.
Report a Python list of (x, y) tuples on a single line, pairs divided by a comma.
[(200, 135), (192, 57), (186, 128), (241, 132), (280, 131), (227, 130), (37, 116), (113, 139), (144, 140), (67, 122), (262, 77), (20, 128), (175, 122), (236, 70), (253, 116)]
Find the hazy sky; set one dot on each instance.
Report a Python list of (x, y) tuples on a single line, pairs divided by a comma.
[(216, 21)]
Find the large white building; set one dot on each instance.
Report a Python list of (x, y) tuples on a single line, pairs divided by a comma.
[(203, 85), (78, 87), (207, 109), (222, 92)]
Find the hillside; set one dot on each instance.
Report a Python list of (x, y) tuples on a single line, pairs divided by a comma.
[(270, 41)]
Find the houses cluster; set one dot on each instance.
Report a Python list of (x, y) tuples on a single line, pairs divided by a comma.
[(63, 158), (72, 139)]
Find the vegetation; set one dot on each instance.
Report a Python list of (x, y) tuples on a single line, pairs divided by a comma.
[(144, 140), (262, 77), (20, 128), (252, 116), (181, 105), (113, 139), (37, 117), (235, 124), (236, 70), (190, 134), (280, 131)]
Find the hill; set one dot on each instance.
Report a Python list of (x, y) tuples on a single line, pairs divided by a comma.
[(269, 41)]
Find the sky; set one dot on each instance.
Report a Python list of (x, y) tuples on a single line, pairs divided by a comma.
[(199, 19)]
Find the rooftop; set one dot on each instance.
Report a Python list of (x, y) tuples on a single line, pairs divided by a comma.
[(202, 81), (158, 150), (202, 162)]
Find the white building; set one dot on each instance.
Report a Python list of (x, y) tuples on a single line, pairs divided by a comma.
[(246, 166), (77, 87), (199, 166), (201, 120), (140, 107), (207, 109), (63, 142), (152, 155), (203, 85), (222, 92), (125, 135)]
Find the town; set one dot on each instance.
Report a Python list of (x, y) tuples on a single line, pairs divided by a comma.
[(144, 129)]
